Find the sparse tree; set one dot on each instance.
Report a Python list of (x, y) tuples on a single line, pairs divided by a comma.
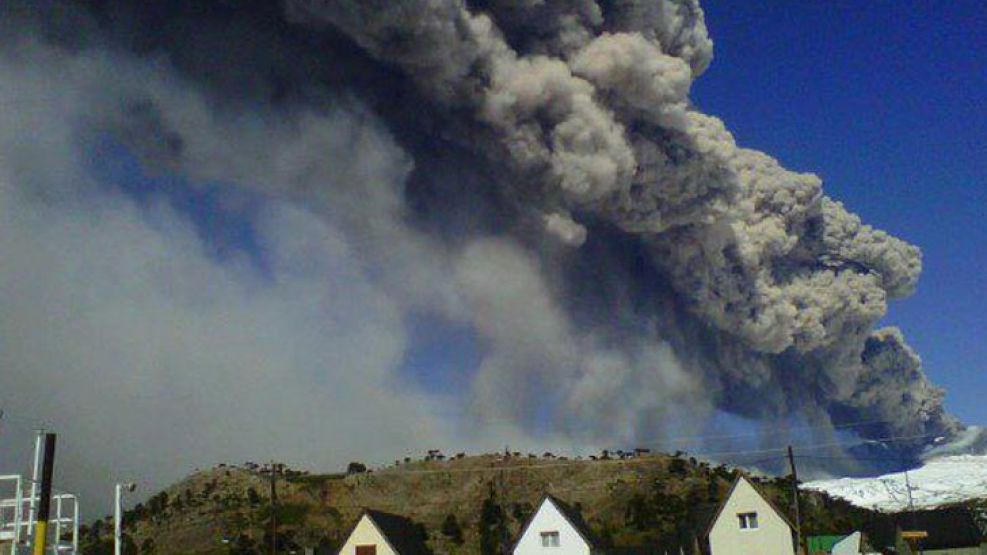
[(493, 526), (452, 530), (128, 546)]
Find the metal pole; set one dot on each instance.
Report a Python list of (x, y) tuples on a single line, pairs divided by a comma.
[(33, 511), (44, 504), (76, 518), (795, 500), (58, 522), (911, 510), (117, 528), (18, 515)]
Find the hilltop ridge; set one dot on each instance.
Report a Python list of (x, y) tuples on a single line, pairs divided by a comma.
[(466, 505)]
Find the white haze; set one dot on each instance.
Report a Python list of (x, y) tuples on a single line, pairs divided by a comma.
[(148, 355), (151, 356)]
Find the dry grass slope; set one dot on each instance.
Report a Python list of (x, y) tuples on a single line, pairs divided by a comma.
[(626, 501)]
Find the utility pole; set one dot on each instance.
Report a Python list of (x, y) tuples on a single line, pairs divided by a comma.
[(911, 511), (35, 480), (911, 502), (795, 501), (118, 491)]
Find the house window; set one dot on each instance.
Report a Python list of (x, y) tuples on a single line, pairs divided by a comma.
[(366, 550), (748, 521), (549, 539)]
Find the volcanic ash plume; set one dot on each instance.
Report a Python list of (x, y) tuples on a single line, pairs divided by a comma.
[(543, 181), (587, 105)]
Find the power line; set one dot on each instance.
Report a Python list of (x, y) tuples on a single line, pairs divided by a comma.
[(13, 416), (888, 458), (706, 438)]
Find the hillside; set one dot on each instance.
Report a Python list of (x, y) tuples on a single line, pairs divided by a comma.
[(466, 505)]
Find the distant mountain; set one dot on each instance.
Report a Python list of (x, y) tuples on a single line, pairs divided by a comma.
[(941, 481)]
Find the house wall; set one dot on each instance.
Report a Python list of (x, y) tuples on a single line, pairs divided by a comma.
[(366, 533), (547, 519), (773, 536)]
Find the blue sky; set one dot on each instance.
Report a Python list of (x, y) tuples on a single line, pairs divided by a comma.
[(887, 102)]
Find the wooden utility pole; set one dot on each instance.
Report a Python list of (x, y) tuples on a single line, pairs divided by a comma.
[(795, 501), (917, 542)]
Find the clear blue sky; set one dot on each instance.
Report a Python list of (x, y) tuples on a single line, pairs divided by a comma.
[(887, 101)]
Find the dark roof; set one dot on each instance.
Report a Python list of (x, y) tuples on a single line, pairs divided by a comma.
[(948, 527), (406, 537), (570, 513), (575, 517)]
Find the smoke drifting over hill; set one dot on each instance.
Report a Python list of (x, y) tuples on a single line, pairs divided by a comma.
[(531, 170)]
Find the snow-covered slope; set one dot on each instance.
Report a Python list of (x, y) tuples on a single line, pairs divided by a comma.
[(940, 481)]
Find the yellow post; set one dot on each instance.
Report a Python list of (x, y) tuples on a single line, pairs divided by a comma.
[(40, 537)]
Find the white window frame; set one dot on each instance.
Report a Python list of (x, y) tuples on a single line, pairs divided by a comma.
[(550, 538), (748, 521)]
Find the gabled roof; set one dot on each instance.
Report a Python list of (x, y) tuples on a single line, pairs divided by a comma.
[(757, 490), (572, 516), (401, 533)]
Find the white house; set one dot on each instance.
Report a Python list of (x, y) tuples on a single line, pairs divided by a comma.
[(380, 533), (746, 523), (554, 529)]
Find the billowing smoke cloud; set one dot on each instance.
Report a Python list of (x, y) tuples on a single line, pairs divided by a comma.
[(592, 118), (530, 170)]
